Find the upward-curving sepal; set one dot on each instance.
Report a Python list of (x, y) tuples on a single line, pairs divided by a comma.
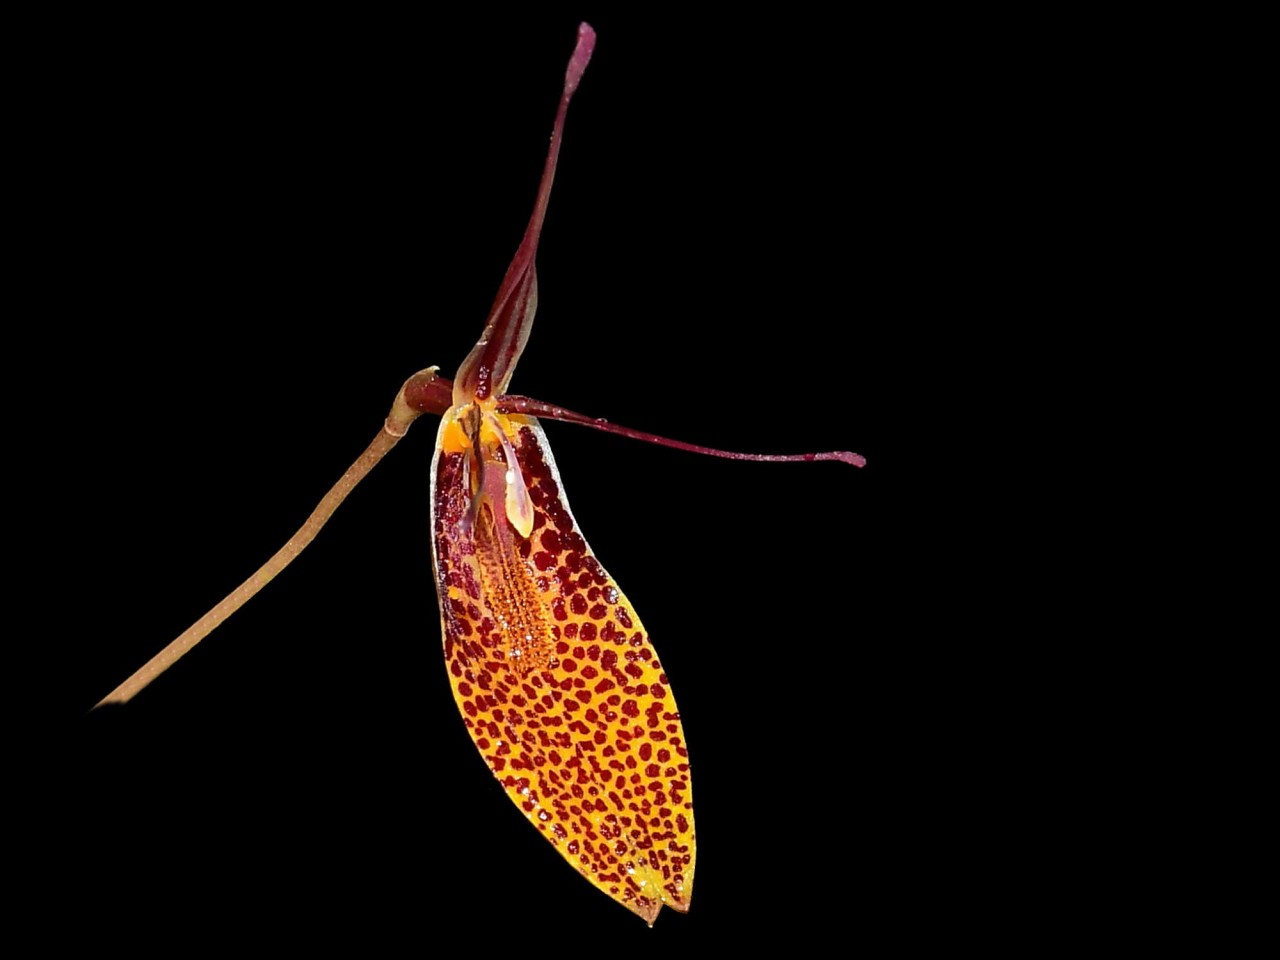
[(488, 367)]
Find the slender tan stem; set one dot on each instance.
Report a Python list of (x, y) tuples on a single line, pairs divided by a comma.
[(396, 425)]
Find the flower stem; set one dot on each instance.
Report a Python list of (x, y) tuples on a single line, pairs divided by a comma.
[(395, 427)]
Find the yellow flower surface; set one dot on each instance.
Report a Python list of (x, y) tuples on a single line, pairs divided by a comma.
[(558, 684)]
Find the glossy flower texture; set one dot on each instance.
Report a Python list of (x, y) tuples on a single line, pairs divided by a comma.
[(558, 684)]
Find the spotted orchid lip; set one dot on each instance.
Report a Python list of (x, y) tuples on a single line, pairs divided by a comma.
[(560, 687), (556, 679), (553, 673)]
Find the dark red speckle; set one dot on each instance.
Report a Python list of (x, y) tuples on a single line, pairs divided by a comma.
[(560, 517), (610, 795)]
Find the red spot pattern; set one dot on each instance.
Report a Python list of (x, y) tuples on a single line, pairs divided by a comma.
[(579, 733)]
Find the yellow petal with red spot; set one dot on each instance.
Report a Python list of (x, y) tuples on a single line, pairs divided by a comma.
[(559, 686)]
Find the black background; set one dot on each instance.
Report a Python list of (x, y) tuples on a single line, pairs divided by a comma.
[(250, 233)]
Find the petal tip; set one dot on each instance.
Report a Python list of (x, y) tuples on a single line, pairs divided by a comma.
[(581, 57), (646, 910)]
